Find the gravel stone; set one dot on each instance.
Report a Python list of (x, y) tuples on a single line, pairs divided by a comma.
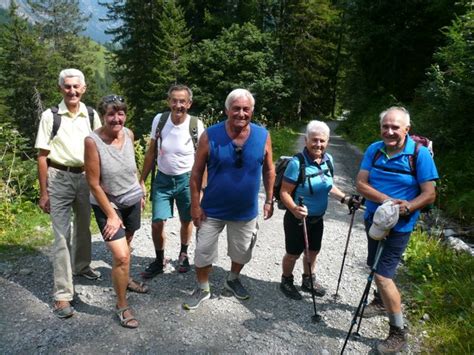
[(266, 323)]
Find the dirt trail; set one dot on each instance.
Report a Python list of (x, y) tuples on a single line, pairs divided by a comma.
[(267, 323)]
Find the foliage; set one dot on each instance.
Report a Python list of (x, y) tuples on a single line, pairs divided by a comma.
[(283, 139), (444, 112), (439, 283), (307, 42), (172, 47), (241, 56)]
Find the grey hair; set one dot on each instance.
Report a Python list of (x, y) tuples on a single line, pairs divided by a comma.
[(71, 73), (396, 108), (238, 93), (317, 127), (179, 87)]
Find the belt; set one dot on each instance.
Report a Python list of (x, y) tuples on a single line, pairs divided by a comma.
[(70, 169)]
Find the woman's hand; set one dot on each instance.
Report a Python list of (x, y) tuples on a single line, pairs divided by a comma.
[(112, 226), (299, 212)]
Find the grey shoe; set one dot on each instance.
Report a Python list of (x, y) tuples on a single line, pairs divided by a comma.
[(64, 312), (236, 287), (196, 298), (374, 308), (317, 289), (289, 289), (91, 274), (395, 342)]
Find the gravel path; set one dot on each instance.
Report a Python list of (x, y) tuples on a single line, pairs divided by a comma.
[(267, 323)]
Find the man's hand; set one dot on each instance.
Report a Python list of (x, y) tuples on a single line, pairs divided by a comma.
[(404, 206), (268, 209), (198, 215), (44, 203)]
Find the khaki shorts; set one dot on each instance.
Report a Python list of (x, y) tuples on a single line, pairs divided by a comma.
[(241, 238)]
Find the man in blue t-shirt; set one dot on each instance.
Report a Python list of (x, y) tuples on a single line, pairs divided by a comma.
[(235, 154), (388, 172)]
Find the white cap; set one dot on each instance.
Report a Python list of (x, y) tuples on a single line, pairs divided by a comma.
[(385, 218)]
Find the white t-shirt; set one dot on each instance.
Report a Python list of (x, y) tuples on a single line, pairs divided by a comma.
[(176, 150)]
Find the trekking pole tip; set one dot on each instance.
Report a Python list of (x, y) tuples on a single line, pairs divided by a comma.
[(316, 318)]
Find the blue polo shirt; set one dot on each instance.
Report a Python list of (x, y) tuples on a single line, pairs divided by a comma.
[(321, 184), (398, 185)]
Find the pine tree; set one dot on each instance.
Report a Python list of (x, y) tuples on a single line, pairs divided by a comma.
[(172, 50)]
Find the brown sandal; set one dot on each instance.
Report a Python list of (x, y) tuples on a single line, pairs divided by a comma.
[(135, 286)]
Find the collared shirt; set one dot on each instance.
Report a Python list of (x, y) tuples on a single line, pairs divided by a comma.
[(67, 147), (394, 184), (318, 175)]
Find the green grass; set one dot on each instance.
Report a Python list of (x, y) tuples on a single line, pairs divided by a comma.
[(284, 139), (24, 229), (439, 281)]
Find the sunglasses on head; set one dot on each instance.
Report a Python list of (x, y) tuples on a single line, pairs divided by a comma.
[(113, 98), (238, 157)]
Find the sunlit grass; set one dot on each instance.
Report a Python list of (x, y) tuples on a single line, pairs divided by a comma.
[(439, 282)]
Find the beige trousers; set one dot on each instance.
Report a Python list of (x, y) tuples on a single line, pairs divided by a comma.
[(68, 196)]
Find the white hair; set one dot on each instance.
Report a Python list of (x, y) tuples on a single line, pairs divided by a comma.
[(317, 127), (396, 108), (71, 73), (238, 93)]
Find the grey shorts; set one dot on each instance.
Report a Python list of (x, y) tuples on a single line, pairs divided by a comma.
[(241, 239)]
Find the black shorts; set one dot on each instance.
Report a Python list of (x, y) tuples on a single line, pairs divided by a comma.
[(130, 217), (294, 236)]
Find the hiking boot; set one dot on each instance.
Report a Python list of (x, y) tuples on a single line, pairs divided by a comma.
[(236, 287), (375, 307), (183, 263), (90, 274), (196, 298), (395, 342), (318, 290), (289, 289), (153, 269)]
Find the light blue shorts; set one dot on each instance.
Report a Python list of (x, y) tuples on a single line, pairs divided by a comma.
[(166, 189)]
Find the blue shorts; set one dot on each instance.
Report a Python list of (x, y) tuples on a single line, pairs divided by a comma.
[(130, 217), (394, 247), (166, 189)]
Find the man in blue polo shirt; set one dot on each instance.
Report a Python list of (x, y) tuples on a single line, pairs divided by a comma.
[(389, 172)]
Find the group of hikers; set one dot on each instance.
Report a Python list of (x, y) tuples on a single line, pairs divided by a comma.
[(86, 160)]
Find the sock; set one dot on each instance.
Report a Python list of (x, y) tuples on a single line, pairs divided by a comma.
[(204, 286), (396, 320), (160, 255), (184, 249), (232, 276)]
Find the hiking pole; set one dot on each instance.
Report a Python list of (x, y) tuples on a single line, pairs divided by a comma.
[(316, 317), (365, 295), (352, 212)]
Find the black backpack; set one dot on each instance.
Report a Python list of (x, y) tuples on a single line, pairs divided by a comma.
[(280, 167), (57, 120)]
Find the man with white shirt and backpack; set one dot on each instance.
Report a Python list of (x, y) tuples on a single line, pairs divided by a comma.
[(173, 142)]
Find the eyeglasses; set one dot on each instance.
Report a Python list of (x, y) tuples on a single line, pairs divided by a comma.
[(238, 157), (112, 98)]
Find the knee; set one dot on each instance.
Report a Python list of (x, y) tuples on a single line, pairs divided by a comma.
[(291, 257), (158, 226), (122, 259), (382, 282)]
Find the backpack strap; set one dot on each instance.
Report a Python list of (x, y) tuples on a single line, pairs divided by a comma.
[(302, 171), (411, 161), (90, 112), (193, 131), (56, 122), (163, 118)]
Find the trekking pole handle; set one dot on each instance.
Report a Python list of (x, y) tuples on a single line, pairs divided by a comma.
[(300, 200)]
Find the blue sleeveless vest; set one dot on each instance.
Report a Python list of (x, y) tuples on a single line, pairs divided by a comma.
[(233, 180)]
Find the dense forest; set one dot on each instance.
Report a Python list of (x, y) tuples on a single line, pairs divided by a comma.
[(303, 59)]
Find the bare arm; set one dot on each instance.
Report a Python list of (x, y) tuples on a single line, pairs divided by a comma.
[(196, 180), (366, 190), (268, 179), (427, 196), (148, 162), (285, 196), (92, 168), (43, 179)]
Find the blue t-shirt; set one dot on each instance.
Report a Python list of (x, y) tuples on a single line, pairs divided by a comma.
[(398, 185), (321, 184), (233, 177)]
